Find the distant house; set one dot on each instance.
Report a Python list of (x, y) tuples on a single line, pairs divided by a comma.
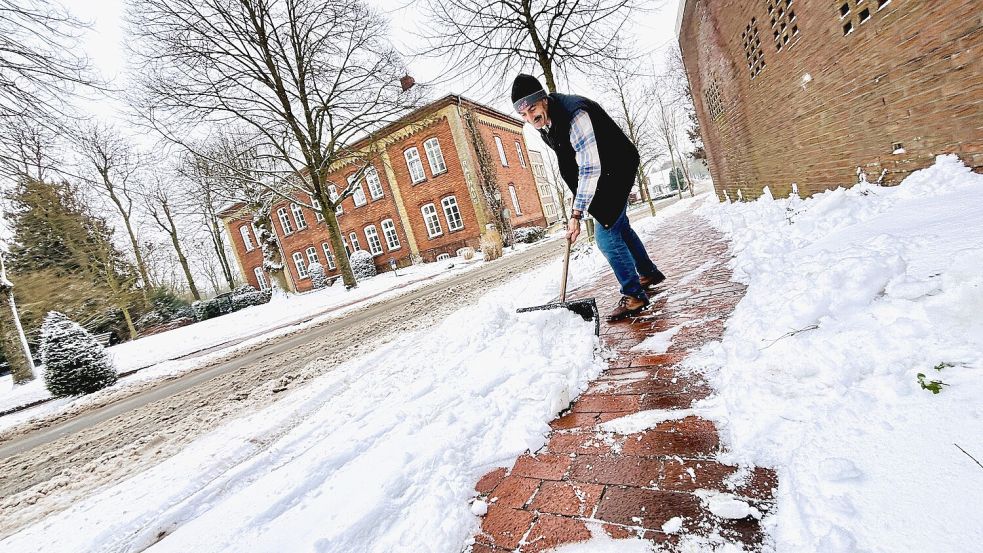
[(420, 202), (547, 189), (803, 92)]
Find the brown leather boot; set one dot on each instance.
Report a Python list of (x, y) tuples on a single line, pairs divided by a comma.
[(627, 306), (654, 279)]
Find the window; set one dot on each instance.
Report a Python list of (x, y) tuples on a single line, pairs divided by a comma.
[(285, 221), (328, 255), (501, 152), (345, 244), (415, 166), (857, 12), (375, 185), (298, 216), (452, 213), (300, 265), (435, 156), (784, 25), (247, 240), (443, 257), (261, 279), (317, 209), (389, 230), (430, 218), (518, 150), (355, 245), (333, 194), (358, 195), (752, 48), (372, 238), (515, 200), (312, 255), (714, 105)]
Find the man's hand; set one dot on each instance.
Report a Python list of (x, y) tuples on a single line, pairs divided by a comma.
[(573, 230)]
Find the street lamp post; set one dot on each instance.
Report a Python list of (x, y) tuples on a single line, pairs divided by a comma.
[(7, 290)]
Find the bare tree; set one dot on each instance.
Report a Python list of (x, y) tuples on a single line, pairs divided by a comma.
[(501, 37), (310, 76), (110, 165), (159, 204), (667, 123), (205, 196), (634, 112), (40, 70)]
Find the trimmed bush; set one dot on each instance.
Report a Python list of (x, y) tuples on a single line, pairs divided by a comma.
[(363, 266), (318, 278), (74, 362), (528, 235), (223, 304)]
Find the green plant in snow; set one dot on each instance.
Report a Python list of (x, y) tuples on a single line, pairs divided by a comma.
[(934, 386)]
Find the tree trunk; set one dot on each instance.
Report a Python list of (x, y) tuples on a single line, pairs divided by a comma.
[(643, 187), (340, 254), (141, 266), (270, 244), (129, 322), (223, 259), (180, 253)]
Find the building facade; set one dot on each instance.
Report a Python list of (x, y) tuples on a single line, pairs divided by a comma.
[(547, 193), (419, 201), (805, 92)]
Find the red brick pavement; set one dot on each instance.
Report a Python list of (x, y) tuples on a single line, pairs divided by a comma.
[(633, 484)]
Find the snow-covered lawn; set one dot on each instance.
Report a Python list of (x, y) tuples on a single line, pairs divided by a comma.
[(851, 296), (379, 455), (281, 316)]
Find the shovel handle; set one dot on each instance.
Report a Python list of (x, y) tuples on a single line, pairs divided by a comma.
[(566, 265)]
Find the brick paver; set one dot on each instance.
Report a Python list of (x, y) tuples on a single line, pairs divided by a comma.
[(631, 485)]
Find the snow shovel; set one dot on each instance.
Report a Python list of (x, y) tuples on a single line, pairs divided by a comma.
[(587, 309)]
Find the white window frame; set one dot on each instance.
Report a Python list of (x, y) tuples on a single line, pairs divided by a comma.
[(298, 216), (452, 213), (348, 251), (247, 240), (288, 228), (443, 257), (354, 240), (392, 237), (300, 265), (433, 230), (261, 279), (328, 256), (434, 156), (333, 194), (501, 151), (518, 150), (372, 239), (316, 205), (358, 195), (515, 199), (375, 184), (415, 165), (312, 255)]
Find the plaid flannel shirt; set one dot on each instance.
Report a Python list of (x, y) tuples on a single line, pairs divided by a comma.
[(584, 143)]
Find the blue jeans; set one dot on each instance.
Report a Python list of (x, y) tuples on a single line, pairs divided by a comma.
[(626, 255)]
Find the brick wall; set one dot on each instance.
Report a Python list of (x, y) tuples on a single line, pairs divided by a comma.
[(436, 186), (844, 84)]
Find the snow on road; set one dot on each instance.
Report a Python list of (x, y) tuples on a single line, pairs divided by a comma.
[(381, 454)]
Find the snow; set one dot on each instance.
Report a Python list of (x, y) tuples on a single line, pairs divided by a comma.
[(673, 525), (644, 420), (159, 355), (380, 454), (851, 294), (600, 542), (727, 506)]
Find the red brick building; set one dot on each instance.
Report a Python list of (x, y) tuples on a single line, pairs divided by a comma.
[(420, 201), (806, 91)]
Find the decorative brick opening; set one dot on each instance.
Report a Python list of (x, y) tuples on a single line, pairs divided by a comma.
[(752, 48), (784, 24), (714, 104), (854, 13)]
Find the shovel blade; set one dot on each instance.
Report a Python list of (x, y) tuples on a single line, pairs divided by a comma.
[(587, 309)]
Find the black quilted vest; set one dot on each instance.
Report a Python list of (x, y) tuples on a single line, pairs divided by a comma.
[(619, 157)]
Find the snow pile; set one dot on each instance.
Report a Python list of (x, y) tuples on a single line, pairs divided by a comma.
[(381, 454), (862, 303)]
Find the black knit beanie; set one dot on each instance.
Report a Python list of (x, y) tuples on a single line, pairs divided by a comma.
[(525, 91)]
